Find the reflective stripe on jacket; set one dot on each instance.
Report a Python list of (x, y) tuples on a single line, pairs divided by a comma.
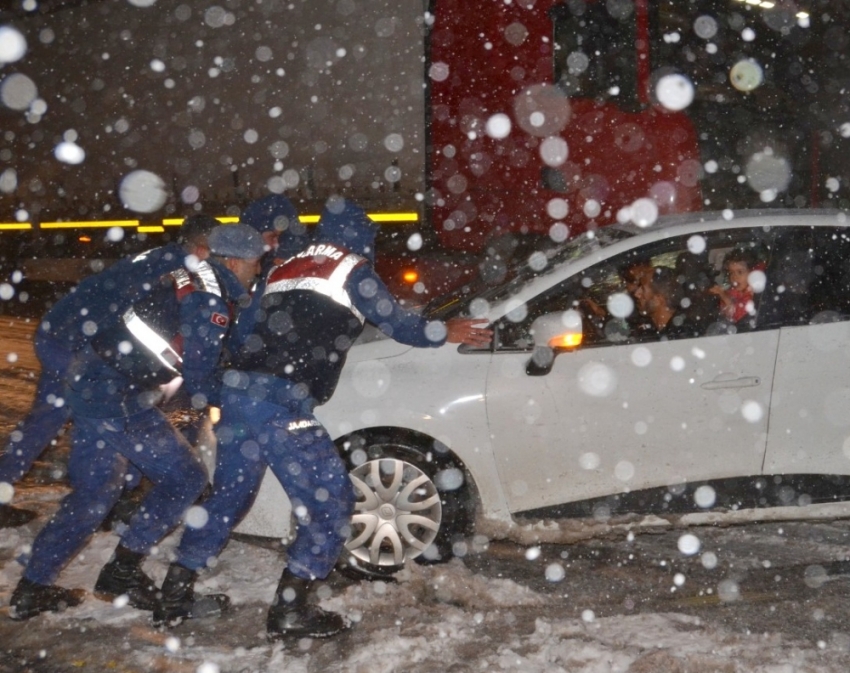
[(147, 345), (322, 268), (168, 348)]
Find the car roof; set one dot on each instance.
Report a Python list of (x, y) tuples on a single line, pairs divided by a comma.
[(719, 219)]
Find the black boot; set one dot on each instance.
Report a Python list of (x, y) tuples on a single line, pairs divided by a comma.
[(30, 599), (123, 576), (293, 616), (177, 601), (12, 517)]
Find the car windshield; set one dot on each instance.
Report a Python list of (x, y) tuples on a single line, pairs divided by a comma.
[(537, 264)]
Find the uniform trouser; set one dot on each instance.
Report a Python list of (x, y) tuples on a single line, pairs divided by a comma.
[(102, 453), (251, 436), (46, 416)]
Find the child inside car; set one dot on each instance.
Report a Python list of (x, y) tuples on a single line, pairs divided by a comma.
[(736, 299)]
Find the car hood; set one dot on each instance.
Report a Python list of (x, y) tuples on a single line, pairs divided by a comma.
[(373, 344)]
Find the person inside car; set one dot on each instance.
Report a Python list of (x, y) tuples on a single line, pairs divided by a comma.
[(737, 300), (660, 298), (696, 276), (634, 273)]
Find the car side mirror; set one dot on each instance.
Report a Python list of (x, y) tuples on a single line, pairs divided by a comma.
[(553, 333)]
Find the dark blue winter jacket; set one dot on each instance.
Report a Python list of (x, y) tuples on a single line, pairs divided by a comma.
[(99, 301), (115, 377), (309, 310), (275, 212)]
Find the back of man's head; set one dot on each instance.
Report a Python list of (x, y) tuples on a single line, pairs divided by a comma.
[(238, 241), (195, 230), (665, 282), (273, 212), (345, 223)]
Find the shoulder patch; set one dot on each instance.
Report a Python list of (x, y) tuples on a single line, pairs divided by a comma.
[(220, 320)]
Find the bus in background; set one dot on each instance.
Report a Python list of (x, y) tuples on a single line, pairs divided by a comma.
[(539, 120), (546, 119)]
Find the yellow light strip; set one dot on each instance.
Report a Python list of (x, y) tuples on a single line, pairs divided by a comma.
[(175, 221), (84, 225), (394, 217)]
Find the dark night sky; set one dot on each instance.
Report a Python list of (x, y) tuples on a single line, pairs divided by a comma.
[(317, 96)]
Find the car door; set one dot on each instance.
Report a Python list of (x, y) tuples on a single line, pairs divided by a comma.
[(614, 415), (810, 418)]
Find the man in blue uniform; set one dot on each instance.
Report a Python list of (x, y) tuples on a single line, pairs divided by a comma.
[(313, 307), (177, 330), (276, 219), (94, 305)]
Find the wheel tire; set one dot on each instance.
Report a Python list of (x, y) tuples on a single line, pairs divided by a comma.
[(414, 501)]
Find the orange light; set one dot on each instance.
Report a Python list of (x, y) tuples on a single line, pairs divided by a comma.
[(566, 340), (84, 239), (410, 276)]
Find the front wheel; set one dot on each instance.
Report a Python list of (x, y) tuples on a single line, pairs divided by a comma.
[(414, 501)]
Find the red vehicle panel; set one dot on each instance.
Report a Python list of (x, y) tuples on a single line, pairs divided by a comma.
[(592, 155)]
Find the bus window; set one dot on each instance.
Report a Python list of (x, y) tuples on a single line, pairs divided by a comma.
[(594, 55), (745, 63)]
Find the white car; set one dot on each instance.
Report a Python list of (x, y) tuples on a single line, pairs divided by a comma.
[(445, 441)]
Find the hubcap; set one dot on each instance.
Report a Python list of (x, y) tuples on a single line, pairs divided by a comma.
[(397, 515)]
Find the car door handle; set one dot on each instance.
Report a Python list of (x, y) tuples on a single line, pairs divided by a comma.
[(742, 382)]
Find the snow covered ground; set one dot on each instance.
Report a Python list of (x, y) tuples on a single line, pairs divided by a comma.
[(644, 604), (435, 618)]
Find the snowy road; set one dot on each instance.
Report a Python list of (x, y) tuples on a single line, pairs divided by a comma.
[(753, 598)]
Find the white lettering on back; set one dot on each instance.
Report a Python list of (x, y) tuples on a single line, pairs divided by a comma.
[(322, 250)]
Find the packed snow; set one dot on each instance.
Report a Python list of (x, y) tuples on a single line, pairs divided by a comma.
[(575, 596), (450, 617)]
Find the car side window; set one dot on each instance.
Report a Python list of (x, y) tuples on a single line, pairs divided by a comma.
[(830, 288), (513, 332), (591, 292), (807, 278), (615, 310), (728, 281)]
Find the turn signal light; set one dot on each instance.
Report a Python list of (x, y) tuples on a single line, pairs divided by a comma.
[(410, 276), (566, 340)]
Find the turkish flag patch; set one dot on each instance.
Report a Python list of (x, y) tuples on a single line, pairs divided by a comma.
[(220, 320)]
